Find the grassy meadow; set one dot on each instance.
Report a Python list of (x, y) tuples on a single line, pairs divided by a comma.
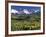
[(25, 22)]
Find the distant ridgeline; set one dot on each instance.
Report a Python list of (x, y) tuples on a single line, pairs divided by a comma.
[(21, 15)]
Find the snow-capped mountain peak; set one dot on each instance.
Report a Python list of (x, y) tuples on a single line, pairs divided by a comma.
[(36, 10), (14, 11), (26, 11)]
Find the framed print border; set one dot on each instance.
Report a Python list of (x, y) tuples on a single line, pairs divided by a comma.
[(6, 17)]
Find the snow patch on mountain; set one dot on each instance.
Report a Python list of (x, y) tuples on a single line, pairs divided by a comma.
[(26, 11), (14, 11)]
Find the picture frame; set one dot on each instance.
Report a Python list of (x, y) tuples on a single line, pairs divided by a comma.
[(15, 5)]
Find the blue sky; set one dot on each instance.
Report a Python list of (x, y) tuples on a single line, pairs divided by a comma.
[(29, 8)]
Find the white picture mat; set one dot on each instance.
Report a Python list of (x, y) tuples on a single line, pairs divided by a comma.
[(27, 31)]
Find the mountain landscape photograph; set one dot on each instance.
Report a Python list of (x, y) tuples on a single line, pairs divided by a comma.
[(25, 18)]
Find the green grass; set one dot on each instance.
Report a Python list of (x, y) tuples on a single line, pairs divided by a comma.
[(32, 23)]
